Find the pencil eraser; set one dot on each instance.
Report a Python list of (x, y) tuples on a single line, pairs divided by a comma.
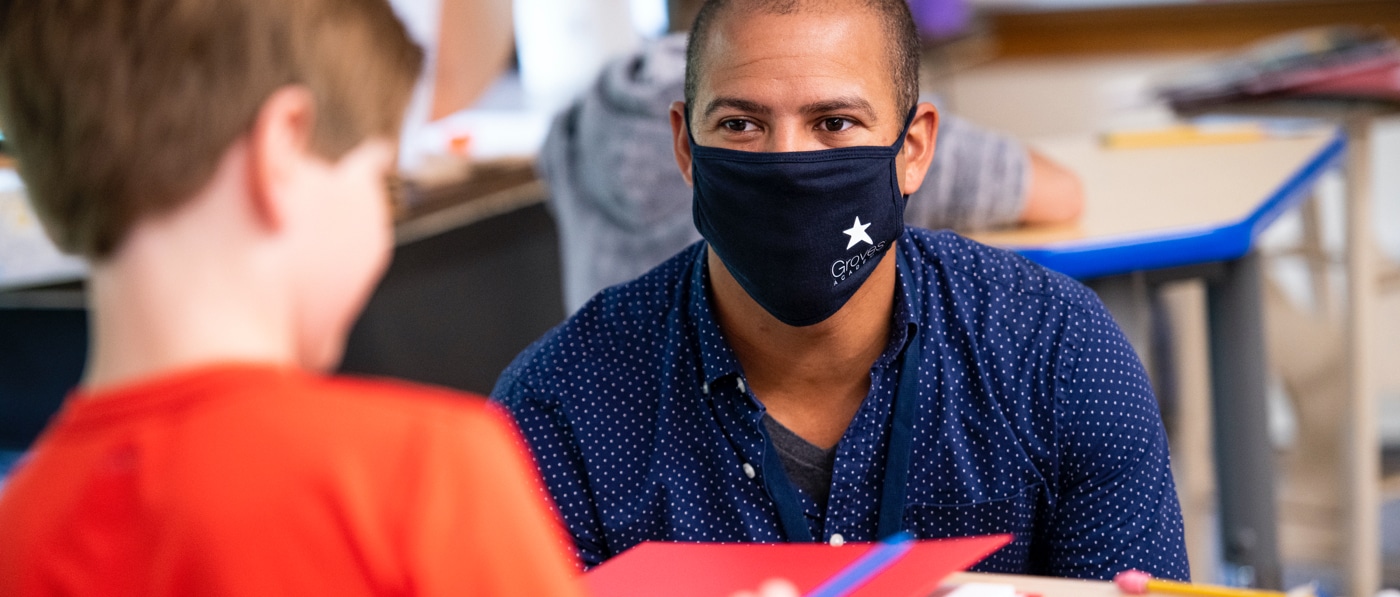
[(1132, 582)]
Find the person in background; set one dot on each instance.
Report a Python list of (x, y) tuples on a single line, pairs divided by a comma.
[(222, 165), (815, 370), (466, 44), (621, 207)]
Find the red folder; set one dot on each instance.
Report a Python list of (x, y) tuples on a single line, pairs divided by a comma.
[(720, 569)]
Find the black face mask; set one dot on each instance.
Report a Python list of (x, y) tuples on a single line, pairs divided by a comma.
[(800, 231)]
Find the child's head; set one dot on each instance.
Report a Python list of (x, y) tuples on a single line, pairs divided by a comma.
[(121, 109), (123, 112)]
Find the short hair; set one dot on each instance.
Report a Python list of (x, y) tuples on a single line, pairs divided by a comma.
[(901, 36), (117, 110)]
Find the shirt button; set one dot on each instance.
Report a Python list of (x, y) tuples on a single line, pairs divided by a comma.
[(837, 540), (705, 388), (741, 384), (748, 471)]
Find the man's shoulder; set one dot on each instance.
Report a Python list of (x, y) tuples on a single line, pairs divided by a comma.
[(639, 300), (623, 325), (969, 266)]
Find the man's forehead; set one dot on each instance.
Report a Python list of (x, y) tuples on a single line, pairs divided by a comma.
[(737, 29), (826, 57)]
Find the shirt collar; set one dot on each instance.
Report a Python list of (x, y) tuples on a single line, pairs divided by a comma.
[(907, 310), (717, 359)]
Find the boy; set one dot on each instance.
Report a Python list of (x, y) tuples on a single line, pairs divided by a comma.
[(222, 166)]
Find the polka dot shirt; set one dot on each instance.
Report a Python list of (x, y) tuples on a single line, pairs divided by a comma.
[(1034, 417)]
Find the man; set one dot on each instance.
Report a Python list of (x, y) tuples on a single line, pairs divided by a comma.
[(622, 208), (221, 166), (816, 371)]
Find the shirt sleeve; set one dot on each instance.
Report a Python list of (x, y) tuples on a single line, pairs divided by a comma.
[(977, 179), (1117, 505), (561, 464), (481, 524)]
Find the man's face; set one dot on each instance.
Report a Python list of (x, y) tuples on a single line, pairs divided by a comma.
[(805, 81)]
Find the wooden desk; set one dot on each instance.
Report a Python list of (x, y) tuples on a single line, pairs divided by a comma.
[(1360, 461), (1066, 98), (1195, 212), (1043, 586), (1088, 94), (1172, 206)]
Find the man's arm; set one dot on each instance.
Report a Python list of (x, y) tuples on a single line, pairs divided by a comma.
[(1115, 505), (560, 463)]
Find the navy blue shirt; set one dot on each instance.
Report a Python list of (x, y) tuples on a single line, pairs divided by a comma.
[(1033, 416)]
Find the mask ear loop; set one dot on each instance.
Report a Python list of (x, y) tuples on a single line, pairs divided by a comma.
[(689, 135), (898, 144)]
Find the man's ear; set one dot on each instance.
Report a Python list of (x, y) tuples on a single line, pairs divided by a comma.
[(278, 145), (917, 153), (680, 140)]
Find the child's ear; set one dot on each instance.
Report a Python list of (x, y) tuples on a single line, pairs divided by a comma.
[(278, 145)]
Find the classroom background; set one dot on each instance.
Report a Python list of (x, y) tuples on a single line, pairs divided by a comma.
[(477, 274)]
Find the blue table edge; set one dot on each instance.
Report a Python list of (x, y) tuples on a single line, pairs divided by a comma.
[(1141, 252)]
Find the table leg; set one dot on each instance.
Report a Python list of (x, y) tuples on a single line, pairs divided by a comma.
[(1243, 453), (1361, 445)]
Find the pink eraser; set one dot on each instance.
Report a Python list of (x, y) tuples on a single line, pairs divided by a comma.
[(1132, 582)]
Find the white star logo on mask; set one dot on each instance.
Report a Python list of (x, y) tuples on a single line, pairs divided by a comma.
[(858, 234)]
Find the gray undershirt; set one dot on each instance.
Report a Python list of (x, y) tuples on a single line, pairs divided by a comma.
[(807, 466)]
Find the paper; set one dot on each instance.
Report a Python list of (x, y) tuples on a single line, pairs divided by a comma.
[(977, 589)]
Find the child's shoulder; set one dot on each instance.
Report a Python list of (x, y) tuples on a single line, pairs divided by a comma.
[(396, 402), (298, 411)]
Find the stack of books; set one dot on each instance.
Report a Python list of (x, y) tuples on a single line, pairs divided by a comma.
[(1329, 62)]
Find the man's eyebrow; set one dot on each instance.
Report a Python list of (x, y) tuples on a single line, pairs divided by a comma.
[(741, 105), (839, 104)]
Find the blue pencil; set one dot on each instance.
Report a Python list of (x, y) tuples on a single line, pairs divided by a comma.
[(865, 567)]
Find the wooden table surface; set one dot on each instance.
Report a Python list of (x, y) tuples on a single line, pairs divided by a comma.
[(1132, 192)]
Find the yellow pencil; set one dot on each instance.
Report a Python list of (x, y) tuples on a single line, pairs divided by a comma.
[(1184, 134), (1134, 582)]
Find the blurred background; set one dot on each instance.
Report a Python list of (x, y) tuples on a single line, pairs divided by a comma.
[(481, 271)]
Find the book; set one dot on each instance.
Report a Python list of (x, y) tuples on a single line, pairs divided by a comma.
[(1341, 61), (720, 569)]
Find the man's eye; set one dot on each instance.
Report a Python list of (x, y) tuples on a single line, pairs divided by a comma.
[(737, 126), (836, 125)]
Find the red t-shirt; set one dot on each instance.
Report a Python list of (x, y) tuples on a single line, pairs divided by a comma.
[(256, 480)]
